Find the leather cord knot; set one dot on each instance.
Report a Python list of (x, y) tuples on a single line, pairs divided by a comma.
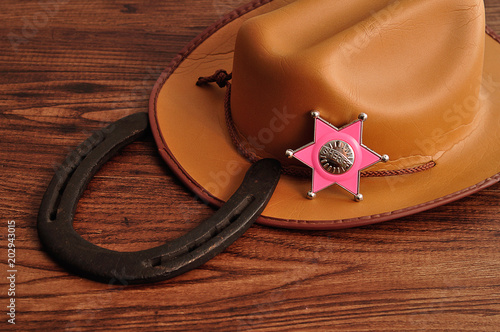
[(221, 77)]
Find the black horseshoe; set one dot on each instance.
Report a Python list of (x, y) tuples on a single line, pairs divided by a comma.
[(55, 218)]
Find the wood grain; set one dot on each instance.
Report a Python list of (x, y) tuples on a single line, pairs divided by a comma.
[(91, 62)]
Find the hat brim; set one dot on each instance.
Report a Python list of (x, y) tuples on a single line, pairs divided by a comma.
[(189, 127)]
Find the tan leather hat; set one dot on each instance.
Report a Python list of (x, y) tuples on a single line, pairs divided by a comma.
[(425, 72)]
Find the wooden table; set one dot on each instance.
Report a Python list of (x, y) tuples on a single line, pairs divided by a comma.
[(84, 64)]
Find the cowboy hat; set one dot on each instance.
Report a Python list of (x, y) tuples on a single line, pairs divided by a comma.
[(424, 72)]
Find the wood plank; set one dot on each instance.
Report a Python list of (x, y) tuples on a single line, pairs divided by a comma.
[(93, 62)]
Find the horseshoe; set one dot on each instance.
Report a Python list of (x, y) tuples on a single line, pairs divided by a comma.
[(212, 236)]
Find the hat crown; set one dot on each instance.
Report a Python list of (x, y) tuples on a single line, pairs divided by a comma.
[(413, 66)]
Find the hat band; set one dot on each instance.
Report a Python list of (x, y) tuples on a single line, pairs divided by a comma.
[(222, 78)]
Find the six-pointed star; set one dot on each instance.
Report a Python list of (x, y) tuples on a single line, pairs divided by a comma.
[(336, 156)]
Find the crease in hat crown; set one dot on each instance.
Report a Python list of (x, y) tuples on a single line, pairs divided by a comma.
[(338, 57)]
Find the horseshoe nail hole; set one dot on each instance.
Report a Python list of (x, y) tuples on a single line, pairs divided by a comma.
[(234, 218), (156, 262), (228, 222), (53, 215)]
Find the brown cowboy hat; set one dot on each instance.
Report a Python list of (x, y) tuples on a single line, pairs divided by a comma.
[(425, 72)]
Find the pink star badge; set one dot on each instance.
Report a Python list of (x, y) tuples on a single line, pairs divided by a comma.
[(336, 156)]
